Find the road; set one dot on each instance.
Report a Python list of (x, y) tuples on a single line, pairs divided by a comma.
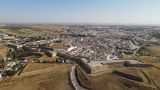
[(74, 80)]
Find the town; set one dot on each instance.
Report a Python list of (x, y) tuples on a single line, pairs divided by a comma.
[(93, 48)]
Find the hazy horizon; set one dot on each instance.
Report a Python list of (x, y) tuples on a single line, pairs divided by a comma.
[(125, 12)]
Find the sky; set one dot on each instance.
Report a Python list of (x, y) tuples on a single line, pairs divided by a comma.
[(80, 11)]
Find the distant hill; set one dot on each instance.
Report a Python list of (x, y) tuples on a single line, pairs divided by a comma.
[(32, 29)]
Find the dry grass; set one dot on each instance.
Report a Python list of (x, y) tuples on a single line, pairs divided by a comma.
[(7, 31), (3, 50), (33, 29), (36, 66), (109, 81), (132, 71), (154, 48), (154, 74), (58, 46), (55, 77), (46, 58), (43, 57), (127, 56), (112, 82), (153, 57), (150, 55)]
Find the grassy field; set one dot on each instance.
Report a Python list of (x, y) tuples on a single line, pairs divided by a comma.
[(154, 75), (3, 50), (36, 66), (40, 77)]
